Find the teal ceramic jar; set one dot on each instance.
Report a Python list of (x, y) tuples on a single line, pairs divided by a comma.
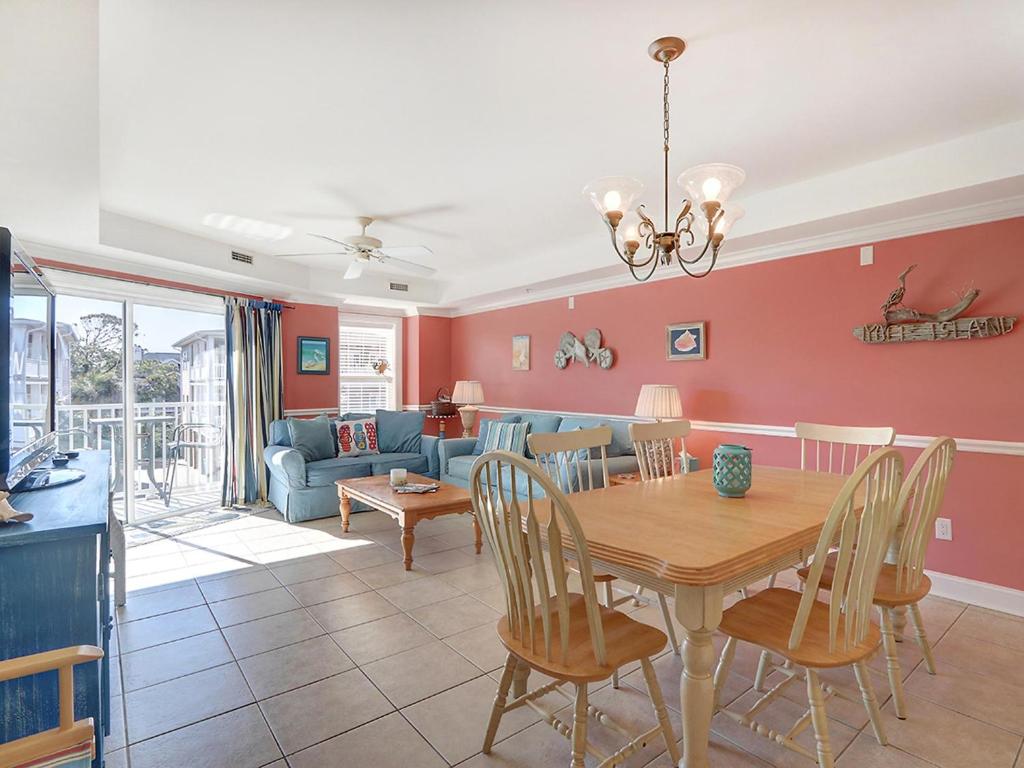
[(731, 470)]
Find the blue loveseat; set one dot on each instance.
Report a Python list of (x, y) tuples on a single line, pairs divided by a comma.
[(455, 456), (304, 490)]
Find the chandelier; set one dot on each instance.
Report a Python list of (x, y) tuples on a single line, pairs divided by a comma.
[(708, 186)]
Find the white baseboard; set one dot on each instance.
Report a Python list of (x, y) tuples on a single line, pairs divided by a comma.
[(978, 593)]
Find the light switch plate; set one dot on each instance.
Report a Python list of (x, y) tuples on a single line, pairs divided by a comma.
[(867, 255), (572, 302), (943, 529)]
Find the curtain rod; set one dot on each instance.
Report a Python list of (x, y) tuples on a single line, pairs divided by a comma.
[(142, 281)]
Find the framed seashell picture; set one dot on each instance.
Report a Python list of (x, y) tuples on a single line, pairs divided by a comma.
[(686, 341)]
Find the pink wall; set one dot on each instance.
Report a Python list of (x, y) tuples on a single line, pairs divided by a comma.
[(308, 391), (780, 349), (427, 362)]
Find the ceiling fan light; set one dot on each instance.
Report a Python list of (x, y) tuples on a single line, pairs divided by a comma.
[(711, 182), (613, 193)]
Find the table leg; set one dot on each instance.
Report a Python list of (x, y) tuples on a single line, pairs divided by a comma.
[(477, 534), (408, 539), (346, 509), (699, 610)]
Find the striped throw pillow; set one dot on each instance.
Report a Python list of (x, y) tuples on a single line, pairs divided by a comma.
[(502, 436)]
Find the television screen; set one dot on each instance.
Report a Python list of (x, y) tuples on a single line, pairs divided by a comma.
[(26, 386)]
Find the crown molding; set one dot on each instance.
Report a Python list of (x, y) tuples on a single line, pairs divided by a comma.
[(935, 221)]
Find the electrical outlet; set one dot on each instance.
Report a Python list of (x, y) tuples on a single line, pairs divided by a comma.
[(572, 302), (867, 255), (943, 528)]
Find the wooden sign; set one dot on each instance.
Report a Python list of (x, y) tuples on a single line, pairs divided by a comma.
[(948, 330), (903, 323)]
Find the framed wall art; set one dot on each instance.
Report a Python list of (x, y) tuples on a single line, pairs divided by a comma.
[(314, 355), (686, 341), (520, 353)]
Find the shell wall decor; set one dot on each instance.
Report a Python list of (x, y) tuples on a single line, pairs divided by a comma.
[(587, 351)]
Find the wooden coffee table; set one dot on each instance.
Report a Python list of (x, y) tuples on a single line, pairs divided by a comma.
[(407, 508)]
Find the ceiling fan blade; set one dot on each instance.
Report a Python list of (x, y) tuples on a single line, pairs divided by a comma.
[(297, 255), (355, 269), (347, 246), (391, 256)]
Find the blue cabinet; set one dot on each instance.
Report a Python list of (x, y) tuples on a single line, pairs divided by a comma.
[(54, 576)]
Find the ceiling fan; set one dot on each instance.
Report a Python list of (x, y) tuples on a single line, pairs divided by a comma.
[(366, 249)]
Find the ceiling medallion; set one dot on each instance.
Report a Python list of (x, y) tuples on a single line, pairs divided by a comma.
[(708, 186)]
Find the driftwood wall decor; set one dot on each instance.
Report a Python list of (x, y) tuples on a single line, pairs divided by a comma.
[(589, 350), (902, 323)]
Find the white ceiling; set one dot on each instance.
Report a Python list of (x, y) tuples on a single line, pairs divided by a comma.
[(492, 116)]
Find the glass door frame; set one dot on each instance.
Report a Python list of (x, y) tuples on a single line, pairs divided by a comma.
[(128, 294)]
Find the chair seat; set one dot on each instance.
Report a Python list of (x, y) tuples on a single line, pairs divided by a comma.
[(886, 592), (766, 619), (625, 640)]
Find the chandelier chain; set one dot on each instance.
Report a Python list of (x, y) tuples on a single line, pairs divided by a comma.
[(665, 101)]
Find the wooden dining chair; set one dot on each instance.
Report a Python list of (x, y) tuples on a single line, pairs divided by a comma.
[(563, 456), (655, 447), (813, 635), (829, 448), (72, 743), (531, 528), (903, 582)]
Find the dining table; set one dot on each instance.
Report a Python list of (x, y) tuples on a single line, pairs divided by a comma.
[(678, 536)]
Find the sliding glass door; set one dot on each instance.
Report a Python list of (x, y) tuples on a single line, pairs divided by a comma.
[(154, 397), (178, 385)]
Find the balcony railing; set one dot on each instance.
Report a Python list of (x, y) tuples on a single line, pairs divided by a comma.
[(197, 477)]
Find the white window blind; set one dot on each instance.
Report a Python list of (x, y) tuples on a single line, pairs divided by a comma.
[(361, 389)]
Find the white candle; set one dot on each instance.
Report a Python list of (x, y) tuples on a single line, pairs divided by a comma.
[(398, 476)]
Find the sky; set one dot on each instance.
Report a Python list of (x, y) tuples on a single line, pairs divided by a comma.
[(158, 327)]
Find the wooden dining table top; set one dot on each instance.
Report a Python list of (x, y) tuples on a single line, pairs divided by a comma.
[(680, 530)]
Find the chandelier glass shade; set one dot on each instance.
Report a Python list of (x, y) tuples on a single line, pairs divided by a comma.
[(637, 240)]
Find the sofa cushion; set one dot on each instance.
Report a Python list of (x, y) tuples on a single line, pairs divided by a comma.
[(312, 438), (459, 466), (621, 444), (399, 431), (539, 423), (414, 462), (356, 437), (481, 438), (279, 433), (326, 471), (506, 437)]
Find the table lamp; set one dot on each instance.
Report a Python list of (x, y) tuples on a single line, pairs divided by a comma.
[(659, 401), (468, 394)]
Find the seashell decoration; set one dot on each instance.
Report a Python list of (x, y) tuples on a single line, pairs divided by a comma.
[(586, 351)]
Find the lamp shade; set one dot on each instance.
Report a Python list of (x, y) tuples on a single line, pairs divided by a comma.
[(468, 393), (659, 401), (613, 193), (711, 181)]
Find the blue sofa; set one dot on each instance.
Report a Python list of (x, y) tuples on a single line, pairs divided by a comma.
[(455, 456), (304, 490)]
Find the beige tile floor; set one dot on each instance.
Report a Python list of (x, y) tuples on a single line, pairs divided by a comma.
[(256, 643)]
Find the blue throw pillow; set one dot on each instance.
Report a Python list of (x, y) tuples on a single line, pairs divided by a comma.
[(312, 438), (541, 423), (481, 438), (507, 436), (400, 431)]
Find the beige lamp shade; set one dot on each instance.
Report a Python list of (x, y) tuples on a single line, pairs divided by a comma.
[(659, 401), (468, 393)]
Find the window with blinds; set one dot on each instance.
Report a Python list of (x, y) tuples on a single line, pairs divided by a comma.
[(360, 388)]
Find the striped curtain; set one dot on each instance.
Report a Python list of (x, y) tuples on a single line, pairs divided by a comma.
[(254, 379)]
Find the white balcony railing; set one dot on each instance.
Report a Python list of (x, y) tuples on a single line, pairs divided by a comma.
[(95, 426)]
